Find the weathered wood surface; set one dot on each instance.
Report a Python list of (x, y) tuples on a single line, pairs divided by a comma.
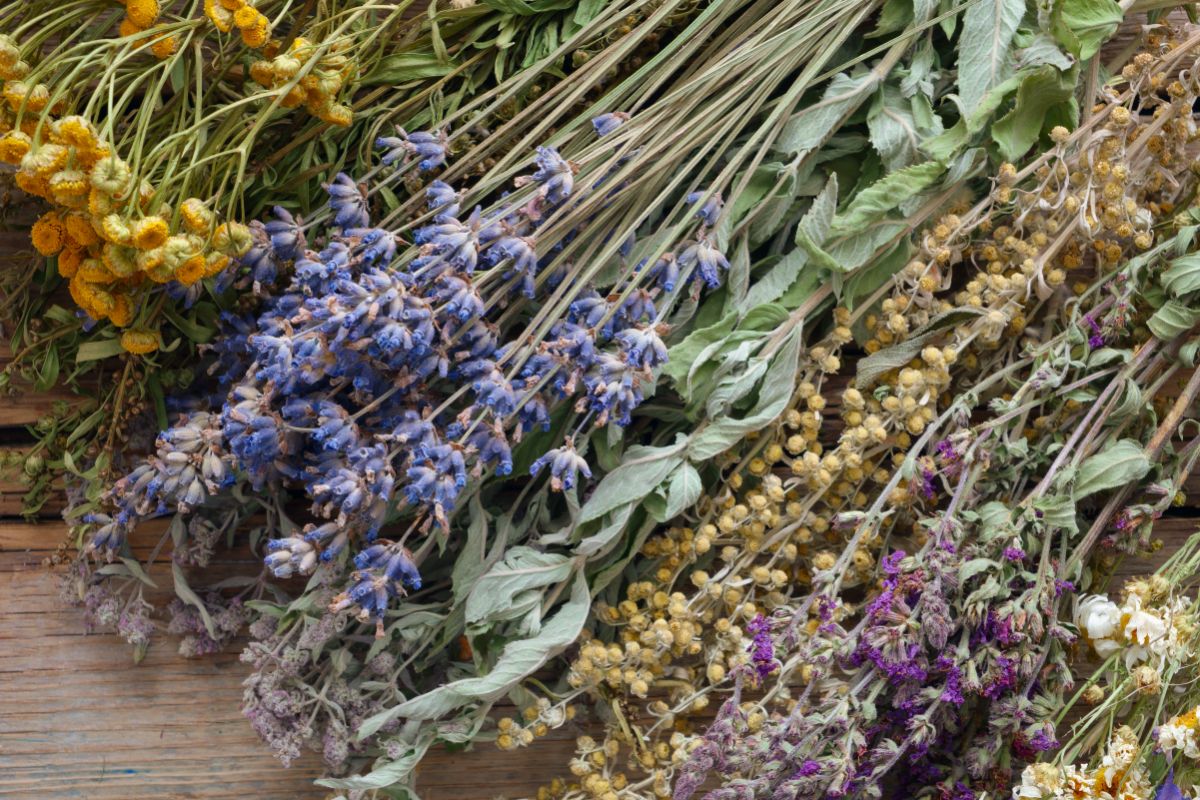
[(79, 720)]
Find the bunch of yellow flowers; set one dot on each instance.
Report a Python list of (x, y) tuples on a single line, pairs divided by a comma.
[(110, 241), (141, 15), (317, 91), (226, 15)]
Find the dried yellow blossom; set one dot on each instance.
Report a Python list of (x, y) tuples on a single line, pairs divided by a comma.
[(48, 234), (69, 260), (13, 147), (164, 47), (191, 271), (196, 216), (139, 342), (142, 13), (150, 232)]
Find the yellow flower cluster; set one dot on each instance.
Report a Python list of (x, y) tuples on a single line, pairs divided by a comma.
[(110, 238), (141, 15), (317, 90), (251, 23)]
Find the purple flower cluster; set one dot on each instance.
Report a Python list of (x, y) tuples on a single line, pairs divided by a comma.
[(381, 379), (762, 649)]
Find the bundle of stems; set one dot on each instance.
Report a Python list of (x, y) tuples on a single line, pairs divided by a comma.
[(992, 413), (210, 131)]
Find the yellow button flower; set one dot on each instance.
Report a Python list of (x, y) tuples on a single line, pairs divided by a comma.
[(13, 147), (69, 260), (48, 234), (142, 13), (191, 271), (150, 232), (139, 342)]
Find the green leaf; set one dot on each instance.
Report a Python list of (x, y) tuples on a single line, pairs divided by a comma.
[(1173, 319), (683, 490), (898, 124), (885, 194), (1042, 91), (773, 395), (523, 568), (519, 659), (819, 217), (984, 48), (600, 542), (1183, 276), (810, 127), (518, 7), (135, 568), (817, 255), (1058, 511), (643, 469), (192, 330), (98, 349), (1124, 462), (975, 566), (391, 773), (191, 598), (1090, 22), (862, 283), (403, 67)]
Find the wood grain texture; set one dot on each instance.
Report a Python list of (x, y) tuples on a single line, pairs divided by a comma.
[(80, 720)]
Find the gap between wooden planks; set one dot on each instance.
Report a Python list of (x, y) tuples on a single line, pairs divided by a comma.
[(80, 720)]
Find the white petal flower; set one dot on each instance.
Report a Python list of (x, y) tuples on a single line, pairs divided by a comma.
[(1097, 616)]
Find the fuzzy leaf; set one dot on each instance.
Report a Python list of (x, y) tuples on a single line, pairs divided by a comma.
[(641, 473), (601, 541), (1043, 50), (984, 48), (809, 128), (97, 349), (1183, 276), (523, 568), (519, 659), (872, 203), (975, 566), (773, 395), (898, 124), (1173, 319), (683, 490), (1057, 511), (819, 217), (1124, 462), (188, 596), (1042, 91), (390, 773), (403, 67), (1090, 22)]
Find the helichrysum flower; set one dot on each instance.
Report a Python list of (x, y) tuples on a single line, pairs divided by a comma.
[(142, 13), (48, 234), (139, 342)]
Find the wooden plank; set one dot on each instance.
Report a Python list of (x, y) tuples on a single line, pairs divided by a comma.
[(80, 720)]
